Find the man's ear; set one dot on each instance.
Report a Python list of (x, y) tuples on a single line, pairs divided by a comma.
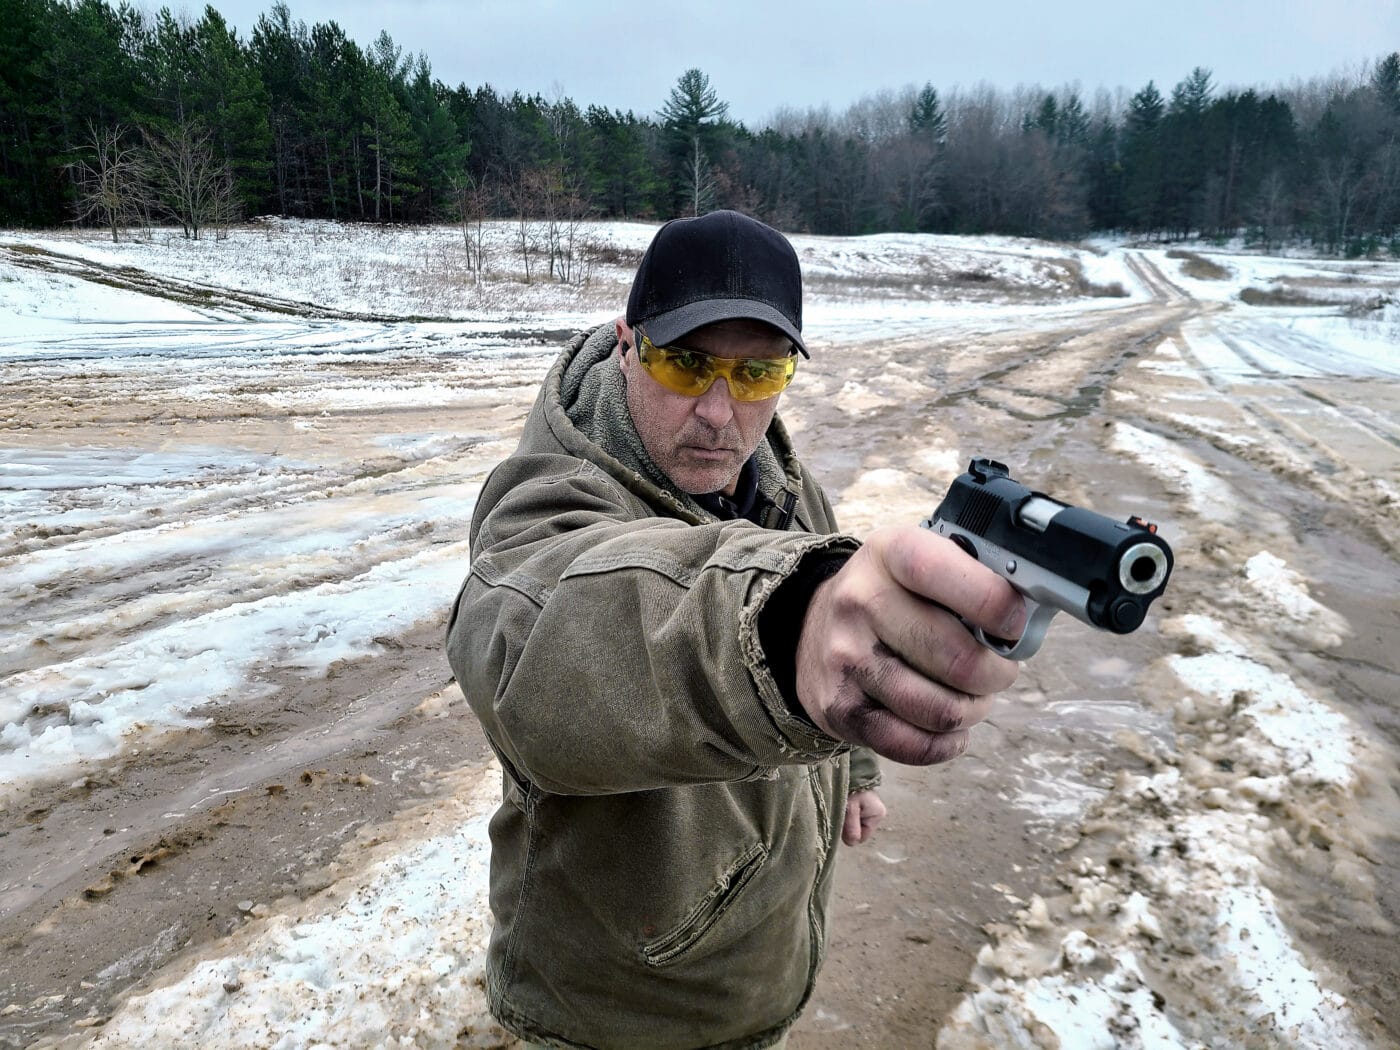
[(626, 340)]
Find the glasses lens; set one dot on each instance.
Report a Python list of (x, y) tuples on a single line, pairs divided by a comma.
[(691, 372), (756, 379), (683, 371)]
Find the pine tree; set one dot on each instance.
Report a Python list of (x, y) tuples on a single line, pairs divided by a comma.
[(228, 96), (336, 77), (1385, 81), (1072, 126), (1143, 160), (1045, 119), (1185, 139), (91, 74), (31, 186), (1105, 177), (926, 118), (621, 173), (282, 51), (443, 153), (694, 116), (388, 134)]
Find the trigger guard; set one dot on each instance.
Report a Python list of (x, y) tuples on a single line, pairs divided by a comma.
[(1038, 619)]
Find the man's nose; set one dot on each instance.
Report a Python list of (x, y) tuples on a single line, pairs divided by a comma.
[(715, 406)]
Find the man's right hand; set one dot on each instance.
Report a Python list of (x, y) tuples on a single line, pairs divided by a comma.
[(883, 659)]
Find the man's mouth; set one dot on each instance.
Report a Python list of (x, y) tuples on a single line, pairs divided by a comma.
[(706, 452)]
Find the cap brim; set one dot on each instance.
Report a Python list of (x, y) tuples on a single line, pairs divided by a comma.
[(676, 324)]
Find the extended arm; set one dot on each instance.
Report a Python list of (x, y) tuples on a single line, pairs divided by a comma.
[(607, 650)]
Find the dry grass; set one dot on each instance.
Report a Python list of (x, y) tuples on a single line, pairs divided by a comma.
[(1280, 296), (1198, 266), (611, 255), (1368, 306)]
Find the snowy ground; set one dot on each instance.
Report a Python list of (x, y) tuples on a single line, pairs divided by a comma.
[(237, 473)]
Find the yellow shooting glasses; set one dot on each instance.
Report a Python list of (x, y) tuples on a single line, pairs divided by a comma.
[(691, 372)]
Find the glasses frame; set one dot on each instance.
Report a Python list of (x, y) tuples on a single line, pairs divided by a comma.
[(718, 367)]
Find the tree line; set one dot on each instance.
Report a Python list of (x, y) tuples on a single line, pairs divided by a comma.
[(114, 117)]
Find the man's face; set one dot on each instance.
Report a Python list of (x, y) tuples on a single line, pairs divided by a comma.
[(702, 442)]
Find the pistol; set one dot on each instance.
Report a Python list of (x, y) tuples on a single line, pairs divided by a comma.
[(1059, 557)]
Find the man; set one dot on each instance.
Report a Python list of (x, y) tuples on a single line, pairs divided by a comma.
[(683, 668)]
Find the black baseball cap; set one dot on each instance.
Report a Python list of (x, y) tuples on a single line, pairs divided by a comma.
[(721, 266)]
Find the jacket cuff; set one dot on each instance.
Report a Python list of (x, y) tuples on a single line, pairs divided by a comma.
[(780, 622), (865, 771)]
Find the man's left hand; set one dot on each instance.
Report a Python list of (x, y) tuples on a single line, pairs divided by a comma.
[(864, 811)]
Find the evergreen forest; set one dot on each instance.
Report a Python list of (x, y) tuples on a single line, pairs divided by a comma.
[(113, 117)]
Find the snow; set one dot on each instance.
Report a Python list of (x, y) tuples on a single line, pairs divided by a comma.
[(1209, 916), (1208, 496)]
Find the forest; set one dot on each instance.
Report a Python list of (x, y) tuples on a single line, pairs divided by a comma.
[(116, 118)]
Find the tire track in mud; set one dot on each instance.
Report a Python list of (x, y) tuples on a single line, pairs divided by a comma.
[(902, 935), (305, 485), (149, 855), (1085, 399), (1291, 450), (1163, 289), (107, 877), (215, 301), (1356, 415), (1171, 308), (204, 831), (983, 398)]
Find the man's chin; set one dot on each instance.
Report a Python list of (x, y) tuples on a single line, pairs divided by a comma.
[(698, 478)]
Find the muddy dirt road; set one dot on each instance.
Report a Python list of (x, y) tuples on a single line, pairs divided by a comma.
[(360, 446)]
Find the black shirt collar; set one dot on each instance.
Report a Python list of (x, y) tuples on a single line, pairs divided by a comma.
[(740, 505)]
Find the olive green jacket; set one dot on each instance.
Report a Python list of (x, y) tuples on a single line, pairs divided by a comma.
[(662, 859)]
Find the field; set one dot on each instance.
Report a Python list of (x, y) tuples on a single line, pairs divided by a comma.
[(242, 803)]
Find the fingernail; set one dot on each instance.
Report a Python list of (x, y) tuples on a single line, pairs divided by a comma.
[(1015, 623)]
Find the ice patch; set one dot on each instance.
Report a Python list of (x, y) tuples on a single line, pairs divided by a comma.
[(1208, 496), (61, 715)]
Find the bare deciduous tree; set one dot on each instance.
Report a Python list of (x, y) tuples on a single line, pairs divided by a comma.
[(111, 179), (564, 206), (699, 178), (1270, 207), (472, 202), (1339, 183), (194, 186), (524, 193)]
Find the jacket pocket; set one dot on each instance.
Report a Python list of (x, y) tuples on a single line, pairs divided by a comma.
[(702, 918)]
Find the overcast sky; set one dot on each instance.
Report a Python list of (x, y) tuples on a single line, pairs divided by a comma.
[(763, 56)]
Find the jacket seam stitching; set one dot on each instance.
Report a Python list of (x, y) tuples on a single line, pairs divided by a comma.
[(531, 848), (526, 586), (692, 929)]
